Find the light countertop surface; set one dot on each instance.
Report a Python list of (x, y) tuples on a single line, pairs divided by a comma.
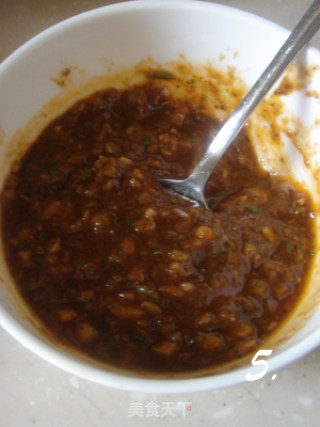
[(35, 393)]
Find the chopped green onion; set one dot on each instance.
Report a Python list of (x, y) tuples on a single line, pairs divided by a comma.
[(86, 174), (114, 353), (161, 75), (248, 311), (147, 140), (53, 164), (253, 208), (91, 204), (138, 339), (43, 237), (288, 244), (175, 241), (159, 125)]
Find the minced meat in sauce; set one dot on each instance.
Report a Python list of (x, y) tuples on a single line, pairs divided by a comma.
[(133, 274)]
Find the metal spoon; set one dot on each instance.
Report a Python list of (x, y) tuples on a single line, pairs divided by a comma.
[(193, 186)]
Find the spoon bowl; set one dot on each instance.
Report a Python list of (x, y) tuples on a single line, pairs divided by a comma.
[(190, 188)]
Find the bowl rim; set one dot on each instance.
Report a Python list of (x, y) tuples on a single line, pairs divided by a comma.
[(66, 361)]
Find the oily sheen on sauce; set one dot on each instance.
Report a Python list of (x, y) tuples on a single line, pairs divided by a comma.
[(132, 274)]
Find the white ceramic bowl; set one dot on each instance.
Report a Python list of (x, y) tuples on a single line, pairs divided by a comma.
[(108, 39)]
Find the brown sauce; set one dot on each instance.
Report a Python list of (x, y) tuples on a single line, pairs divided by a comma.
[(131, 274)]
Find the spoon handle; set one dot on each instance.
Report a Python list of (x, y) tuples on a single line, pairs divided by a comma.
[(301, 34)]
